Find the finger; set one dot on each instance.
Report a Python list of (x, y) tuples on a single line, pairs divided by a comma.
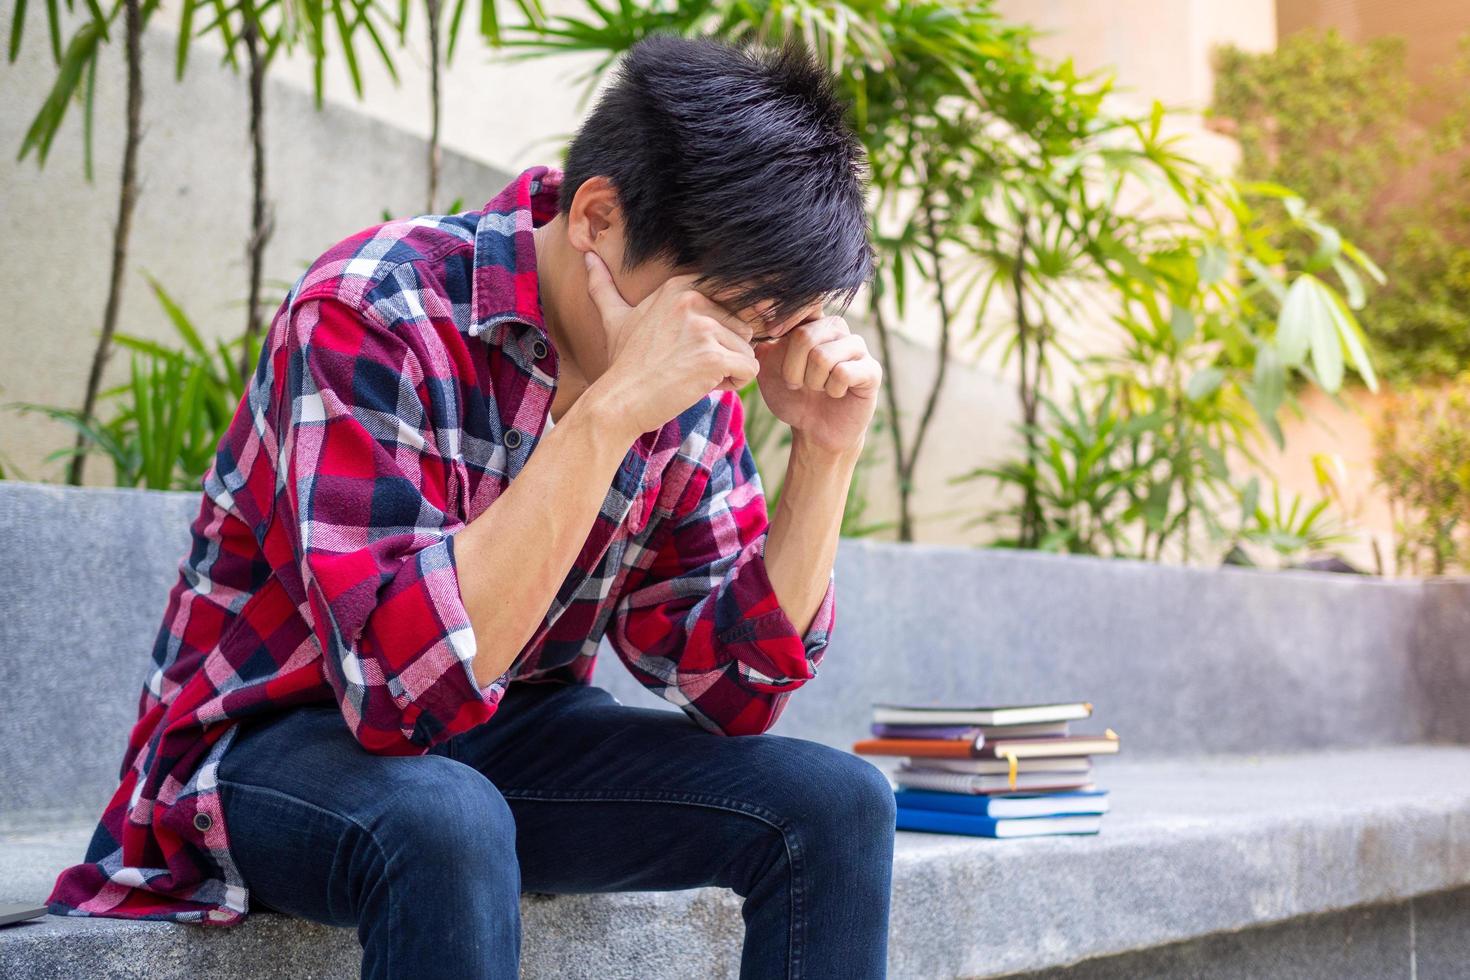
[(859, 376), (799, 343), (740, 368), (726, 337), (824, 357), (603, 290), (722, 315)]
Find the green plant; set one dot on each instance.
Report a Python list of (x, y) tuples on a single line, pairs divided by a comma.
[(1288, 529), (170, 413), (1080, 483), (942, 91), (80, 59), (1383, 158), (1423, 462), (1215, 311), (489, 25)]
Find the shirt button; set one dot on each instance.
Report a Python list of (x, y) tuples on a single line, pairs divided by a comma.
[(203, 821), (512, 439), (538, 348)]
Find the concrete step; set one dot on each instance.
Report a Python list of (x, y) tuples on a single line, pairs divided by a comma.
[(1193, 848)]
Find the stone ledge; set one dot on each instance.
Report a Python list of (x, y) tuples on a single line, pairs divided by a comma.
[(1192, 848)]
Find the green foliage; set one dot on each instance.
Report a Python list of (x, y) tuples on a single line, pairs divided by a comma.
[(1383, 159), (1290, 528), (1423, 462), (1086, 480), (168, 416), (1220, 296), (1000, 176), (281, 24)]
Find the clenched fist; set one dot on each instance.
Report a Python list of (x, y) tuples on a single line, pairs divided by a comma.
[(819, 378), (670, 350)]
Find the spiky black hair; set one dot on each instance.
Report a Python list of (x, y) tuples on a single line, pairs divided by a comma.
[(736, 160)]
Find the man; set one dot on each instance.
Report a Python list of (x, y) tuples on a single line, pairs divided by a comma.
[(476, 444)]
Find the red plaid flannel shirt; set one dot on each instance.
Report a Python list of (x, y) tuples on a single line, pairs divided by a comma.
[(403, 384)]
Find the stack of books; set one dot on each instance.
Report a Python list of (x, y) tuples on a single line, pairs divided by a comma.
[(1011, 771)]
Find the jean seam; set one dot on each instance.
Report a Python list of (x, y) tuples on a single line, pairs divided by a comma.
[(270, 791), (793, 848)]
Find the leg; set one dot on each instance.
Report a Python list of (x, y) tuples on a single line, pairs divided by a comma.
[(613, 798), (417, 852)]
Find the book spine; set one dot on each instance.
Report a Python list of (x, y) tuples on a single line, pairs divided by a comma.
[(925, 799)]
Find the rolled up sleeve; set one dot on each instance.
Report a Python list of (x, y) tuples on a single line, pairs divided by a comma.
[(366, 500), (703, 628)]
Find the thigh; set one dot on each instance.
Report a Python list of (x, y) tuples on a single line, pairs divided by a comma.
[(302, 799), (609, 797)]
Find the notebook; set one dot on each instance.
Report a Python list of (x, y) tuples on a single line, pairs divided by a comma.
[(1064, 763), (963, 782), (979, 747), (1008, 805), (934, 713), (938, 821), (880, 730)]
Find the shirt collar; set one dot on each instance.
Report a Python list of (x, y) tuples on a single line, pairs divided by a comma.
[(504, 287)]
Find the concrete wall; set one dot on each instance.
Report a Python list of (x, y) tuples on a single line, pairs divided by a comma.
[(329, 174), (1180, 662)]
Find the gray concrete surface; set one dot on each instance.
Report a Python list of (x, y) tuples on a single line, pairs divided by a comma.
[(1276, 764), (1192, 848), (1421, 939)]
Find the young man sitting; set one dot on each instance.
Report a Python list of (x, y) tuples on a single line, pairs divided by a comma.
[(474, 446)]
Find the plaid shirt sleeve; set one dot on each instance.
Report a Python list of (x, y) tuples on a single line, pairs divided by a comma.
[(703, 629), (365, 500)]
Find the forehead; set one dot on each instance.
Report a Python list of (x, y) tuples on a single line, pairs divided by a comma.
[(761, 312)]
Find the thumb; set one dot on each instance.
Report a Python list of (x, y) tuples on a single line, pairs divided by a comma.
[(600, 286)]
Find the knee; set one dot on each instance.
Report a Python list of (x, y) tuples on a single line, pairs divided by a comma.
[(446, 817), (841, 797)]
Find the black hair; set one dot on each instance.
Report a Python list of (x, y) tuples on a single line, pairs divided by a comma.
[(736, 160)]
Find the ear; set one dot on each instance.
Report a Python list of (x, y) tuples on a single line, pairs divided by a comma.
[(595, 220)]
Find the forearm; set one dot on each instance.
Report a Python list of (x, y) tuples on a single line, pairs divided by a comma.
[(512, 558), (802, 541)]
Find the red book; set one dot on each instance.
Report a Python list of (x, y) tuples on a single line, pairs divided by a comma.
[(1005, 748)]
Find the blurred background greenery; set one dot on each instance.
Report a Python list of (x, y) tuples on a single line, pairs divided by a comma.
[(1162, 324)]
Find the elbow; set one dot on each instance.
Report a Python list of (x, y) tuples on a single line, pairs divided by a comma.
[(753, 721), (404, 718)]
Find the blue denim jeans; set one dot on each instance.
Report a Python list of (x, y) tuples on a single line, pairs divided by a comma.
[(564, 790)]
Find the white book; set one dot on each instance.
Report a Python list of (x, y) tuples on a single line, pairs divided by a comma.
[(962, 782), (1021, 714)]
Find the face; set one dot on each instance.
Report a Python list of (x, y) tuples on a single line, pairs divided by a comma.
[(595, 222)]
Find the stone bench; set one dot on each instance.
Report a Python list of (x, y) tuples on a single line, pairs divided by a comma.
[(1293, 796)]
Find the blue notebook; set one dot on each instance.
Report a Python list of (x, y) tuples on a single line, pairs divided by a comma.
[(1004, 805), (945, 822)]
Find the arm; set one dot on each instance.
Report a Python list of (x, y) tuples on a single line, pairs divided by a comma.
[(418, 621), (818, 378), (420, 616), (804, 532), (702, 627)]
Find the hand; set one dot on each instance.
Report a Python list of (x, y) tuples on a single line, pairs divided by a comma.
[(819, 378), (667, 352)]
